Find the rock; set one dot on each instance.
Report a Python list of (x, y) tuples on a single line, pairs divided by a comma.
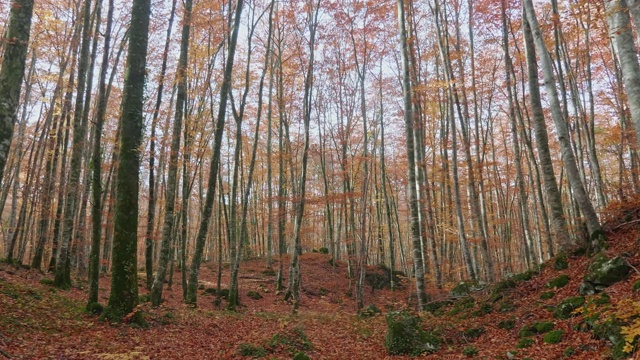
[(560, 263), (586, 288), (606, 272), (553, 337), (462, 289), (406, 336), (560, 281), (565, 308)]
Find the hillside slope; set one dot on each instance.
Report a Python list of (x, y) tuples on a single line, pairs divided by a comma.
[(515, 319)]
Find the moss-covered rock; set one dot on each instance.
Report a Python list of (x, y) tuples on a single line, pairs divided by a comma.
[(560, 262), (301, 356), (483, 309), (292, 340), (565, 308), (474, 333), (543, 327), (462, 304), (586, 288), (369, 311), (462, 289), (406, 336), (254, 295), (437, 307), (636, 285), (506, 306), (46, 281), (524, 343), (470, 351), (507, 324), (606, 272), (559, 282), (569, 351), (553, 337), (547, 295), (254, 351)]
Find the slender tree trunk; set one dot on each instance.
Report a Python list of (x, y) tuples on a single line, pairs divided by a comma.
[(151, 212), (96, 159), (596, 236), (413, 196), (215, 160), (172, 182), (62, 274)]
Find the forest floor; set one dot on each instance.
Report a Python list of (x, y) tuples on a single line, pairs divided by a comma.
[(38, 321)]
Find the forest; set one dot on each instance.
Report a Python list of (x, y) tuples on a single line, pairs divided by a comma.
[(202, 167)]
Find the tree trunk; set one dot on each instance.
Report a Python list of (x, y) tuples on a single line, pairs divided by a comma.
[(596, 236), (124, 281), (12, 71), (215, 161), (172, 182), (413, 195)]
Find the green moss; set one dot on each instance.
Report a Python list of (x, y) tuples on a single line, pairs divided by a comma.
[(506, 306), (254, 295), (406, 336), (462, 289), (568, 352), (524, 343), (560, 262), (462, 304), (46, 281), (144, 298), (605, 272), (301, 356), (369, 311), (474, 333), (526, 331), (523, 276), (247, 349), (507, 324), (95, 308), (293, 340), (547, 295), (636, 285), (565, 308), (559, 282), (553, 337), (437, 307), (503, 286), (470, 351), (483, 309), (323, 250), (543, 327)]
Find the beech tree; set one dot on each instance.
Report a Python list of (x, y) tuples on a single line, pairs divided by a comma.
[(14, 57), (123, 297)]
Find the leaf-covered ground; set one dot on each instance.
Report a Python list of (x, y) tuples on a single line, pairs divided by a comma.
[(40, 322)]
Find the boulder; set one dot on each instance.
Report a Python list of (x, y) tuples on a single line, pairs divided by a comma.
[(606, 272), (406, 336)]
